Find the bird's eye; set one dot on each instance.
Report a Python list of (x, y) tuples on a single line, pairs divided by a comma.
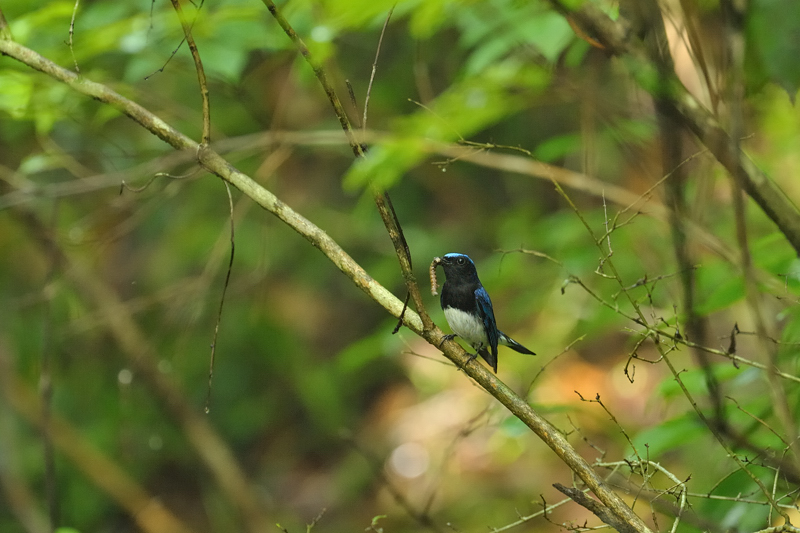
[(460, 260)]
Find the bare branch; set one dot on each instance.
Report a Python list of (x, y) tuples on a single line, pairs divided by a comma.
[(71, 33), (201, 73), (375, 68), (221, 300)]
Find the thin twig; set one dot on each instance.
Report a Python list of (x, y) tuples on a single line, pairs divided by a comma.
[(221, 302), (375, 68), (759, 420), (198, 65), (642, 320), (316, 520), (123, 186), (71, 32), (527, 518), (172, 55), (541, 370), (613, 418)]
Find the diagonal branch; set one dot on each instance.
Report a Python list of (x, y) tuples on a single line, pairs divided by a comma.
[(319, 72), (597, 509)]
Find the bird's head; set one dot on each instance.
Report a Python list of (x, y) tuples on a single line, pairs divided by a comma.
[(458, 266)]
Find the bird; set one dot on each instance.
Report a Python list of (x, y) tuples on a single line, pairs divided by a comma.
[(468, 309)]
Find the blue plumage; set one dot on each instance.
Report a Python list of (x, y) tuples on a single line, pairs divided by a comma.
[(468, 309)]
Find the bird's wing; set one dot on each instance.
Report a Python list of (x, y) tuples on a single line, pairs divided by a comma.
[(486, 313)]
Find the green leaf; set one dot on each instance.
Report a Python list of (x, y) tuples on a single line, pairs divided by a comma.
[(550, 33), (773, 38), (366, 350), (427, 18), (15, 93), (695, 380), (718, 287), (670, 435), (557, 147)]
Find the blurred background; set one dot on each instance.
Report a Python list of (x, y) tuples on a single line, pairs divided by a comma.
[(109, 293)]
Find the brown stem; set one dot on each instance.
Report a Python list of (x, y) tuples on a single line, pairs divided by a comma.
[(201, 73)]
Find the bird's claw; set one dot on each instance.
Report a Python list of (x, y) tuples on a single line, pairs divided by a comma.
[(446, 338), (470, 359)]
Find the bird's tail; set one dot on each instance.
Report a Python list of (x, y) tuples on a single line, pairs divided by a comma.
[(511, 343)]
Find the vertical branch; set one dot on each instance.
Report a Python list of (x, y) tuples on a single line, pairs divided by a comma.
[(375, 68), (206, 138), (71, 33), (649, 19), (201, 73), (696, 325), (734, 12), (221, 301), (384, 204)]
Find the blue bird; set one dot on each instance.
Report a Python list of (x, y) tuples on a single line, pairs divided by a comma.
[(468, 309)]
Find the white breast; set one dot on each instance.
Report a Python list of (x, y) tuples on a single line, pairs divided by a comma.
[(466, 326)]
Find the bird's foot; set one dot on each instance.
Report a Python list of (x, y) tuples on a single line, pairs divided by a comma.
[(447, 338), (470, 359)]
